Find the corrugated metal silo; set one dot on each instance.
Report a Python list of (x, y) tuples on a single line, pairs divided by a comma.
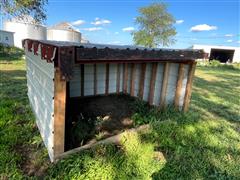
[(25, 28), (63, 32)]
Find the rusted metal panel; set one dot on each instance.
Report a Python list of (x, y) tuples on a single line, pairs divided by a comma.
[(92, 54), (66, 62), (48, 52)]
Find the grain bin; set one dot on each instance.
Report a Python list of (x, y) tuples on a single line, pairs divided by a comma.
[(63, 32), (25, 28), (59, 72)]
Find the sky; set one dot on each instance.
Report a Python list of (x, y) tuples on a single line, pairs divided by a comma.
[(212, 22)]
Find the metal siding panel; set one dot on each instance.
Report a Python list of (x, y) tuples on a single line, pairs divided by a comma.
[(147, 82), (40, 84), (129, 78), (112, 78), (88, 80), (43, 97), (101, 78), (172, 82), (158, 84), (121, 78), (137, 79), (184, 84), (75, 83)]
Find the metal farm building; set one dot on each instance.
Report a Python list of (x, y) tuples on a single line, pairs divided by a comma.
[(58, 72), (6, 37), (63, 32), (221, 53), (25, 29)]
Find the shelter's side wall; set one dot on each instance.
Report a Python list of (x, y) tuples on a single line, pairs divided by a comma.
[(89, 82), (133, 81), (40, 75)]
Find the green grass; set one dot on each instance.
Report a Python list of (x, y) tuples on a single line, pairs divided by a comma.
[(201, 144)]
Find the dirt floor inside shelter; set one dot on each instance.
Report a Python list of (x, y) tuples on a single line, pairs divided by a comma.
[(90, 119)]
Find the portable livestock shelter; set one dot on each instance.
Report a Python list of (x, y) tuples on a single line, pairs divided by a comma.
[(59, 71)]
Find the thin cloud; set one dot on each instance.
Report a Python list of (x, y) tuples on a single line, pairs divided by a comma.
[(203, 27), (92, 29), (116, 33), (78, 22), (238, 42), (230, 40), (128, 29), (228, 35), (99, 22), (180, 21)]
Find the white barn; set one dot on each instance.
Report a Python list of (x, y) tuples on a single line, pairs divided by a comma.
[(222, 53), (7, 37)]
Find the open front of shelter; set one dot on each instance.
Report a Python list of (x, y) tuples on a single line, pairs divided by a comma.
[(67, 78)]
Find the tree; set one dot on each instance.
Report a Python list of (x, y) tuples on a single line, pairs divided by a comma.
[(21, 8), (155, 26)]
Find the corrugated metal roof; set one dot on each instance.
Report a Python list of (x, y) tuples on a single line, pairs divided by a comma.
[(110, 46), (71, 53)]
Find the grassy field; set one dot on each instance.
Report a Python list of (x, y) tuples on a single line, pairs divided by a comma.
[(201, 144)]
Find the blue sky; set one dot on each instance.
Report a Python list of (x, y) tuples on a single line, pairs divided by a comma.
[(111, 21)]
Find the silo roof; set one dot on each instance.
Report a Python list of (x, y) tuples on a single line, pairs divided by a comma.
[(63, 26)]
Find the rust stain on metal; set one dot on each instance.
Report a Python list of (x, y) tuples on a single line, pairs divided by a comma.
[(35, 48), (65, 62), (47, 52), (83, 54)]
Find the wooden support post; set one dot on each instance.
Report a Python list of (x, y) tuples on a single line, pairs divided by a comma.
[(118, 79), (142, 79), (82, 79), (125, 78), (164, 86), (152, 83), (107, 79), (133, 79), (95, 79), (179, 85), (59, 113), (188, 91)]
